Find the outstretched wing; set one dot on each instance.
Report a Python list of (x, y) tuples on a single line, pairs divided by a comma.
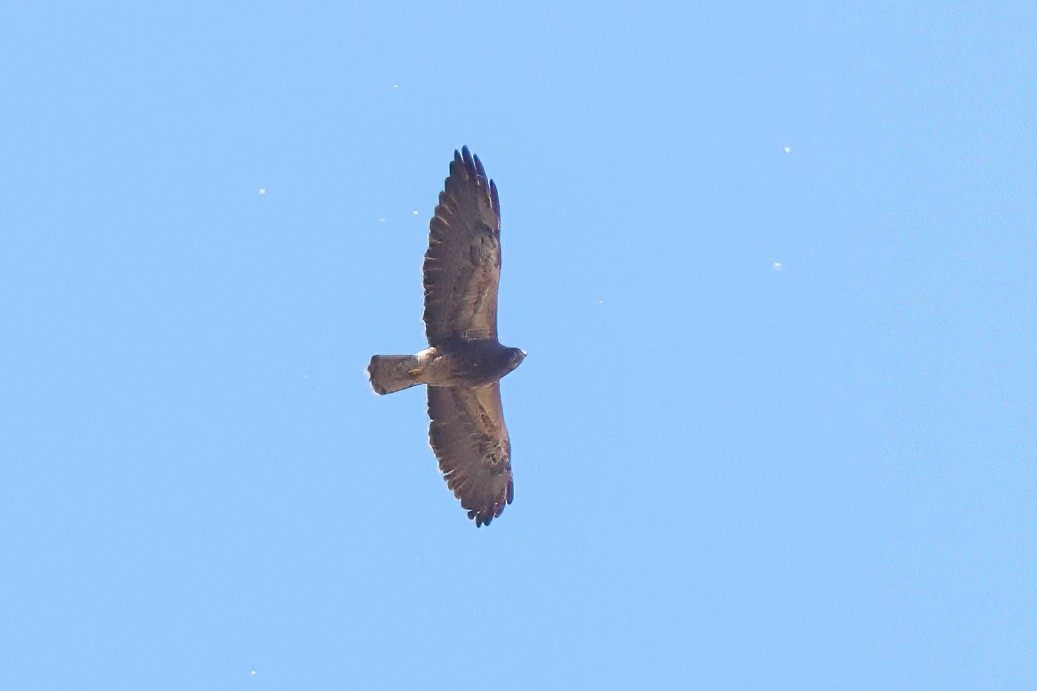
[(470, 441), (462, 264)]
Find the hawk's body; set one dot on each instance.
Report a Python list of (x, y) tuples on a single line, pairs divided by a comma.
[(464, 360)]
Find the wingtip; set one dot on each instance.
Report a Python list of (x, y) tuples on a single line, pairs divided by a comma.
[(494, 198), (482, 518), (473, 166)]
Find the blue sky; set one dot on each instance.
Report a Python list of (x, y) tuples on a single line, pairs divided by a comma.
[(775, 269)]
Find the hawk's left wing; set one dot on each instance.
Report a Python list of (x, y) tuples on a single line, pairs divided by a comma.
[(468, 436)]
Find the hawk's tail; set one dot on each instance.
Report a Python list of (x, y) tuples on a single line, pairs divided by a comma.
[(389, 373)]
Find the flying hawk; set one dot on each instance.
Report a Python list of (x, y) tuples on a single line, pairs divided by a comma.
[(464, 361)]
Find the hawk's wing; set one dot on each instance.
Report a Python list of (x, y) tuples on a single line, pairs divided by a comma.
[(470, 440), (462, 264)]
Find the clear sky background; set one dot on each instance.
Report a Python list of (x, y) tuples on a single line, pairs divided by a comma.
[(775, 269)]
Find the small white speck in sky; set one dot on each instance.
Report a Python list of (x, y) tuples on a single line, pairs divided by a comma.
[(262, 190), (788, 149), (253, 672), (414, 213), (776, 266)]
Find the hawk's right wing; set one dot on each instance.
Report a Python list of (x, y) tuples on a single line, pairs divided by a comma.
[(462, 265)]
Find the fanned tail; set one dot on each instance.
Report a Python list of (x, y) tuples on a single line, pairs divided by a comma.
[(391, 373)]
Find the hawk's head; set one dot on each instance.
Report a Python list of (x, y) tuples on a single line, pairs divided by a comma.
[(515, 357)]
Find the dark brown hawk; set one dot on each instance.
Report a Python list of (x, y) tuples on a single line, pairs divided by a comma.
[(464, 361)]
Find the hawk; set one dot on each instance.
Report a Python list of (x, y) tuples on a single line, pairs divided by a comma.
[(464, 362)]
